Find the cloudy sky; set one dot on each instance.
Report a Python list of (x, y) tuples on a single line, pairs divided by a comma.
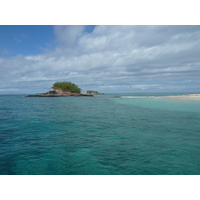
[(110, 59)]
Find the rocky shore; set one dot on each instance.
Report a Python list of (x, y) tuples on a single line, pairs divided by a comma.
[(59, 93), (92, 92)]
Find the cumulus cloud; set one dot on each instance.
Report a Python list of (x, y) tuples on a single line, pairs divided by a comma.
[(111, 59), (68, 35)]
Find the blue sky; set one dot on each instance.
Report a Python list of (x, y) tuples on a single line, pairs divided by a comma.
[(25, 40), (28, 40), (103, 58)]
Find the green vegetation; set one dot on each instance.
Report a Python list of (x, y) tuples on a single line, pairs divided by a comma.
[(67, 86)]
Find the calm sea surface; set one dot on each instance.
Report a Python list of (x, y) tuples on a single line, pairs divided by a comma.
[(127, 134)]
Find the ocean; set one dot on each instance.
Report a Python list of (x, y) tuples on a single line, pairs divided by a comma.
[(111, 134)]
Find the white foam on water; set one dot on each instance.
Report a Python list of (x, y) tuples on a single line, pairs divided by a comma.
[(139, 97), (133, 97)]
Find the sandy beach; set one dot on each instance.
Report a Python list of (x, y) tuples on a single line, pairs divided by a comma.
[(186, 96)]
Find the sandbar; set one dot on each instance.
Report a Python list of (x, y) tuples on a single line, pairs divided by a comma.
[(186, 96)]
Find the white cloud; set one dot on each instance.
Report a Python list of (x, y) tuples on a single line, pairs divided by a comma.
[(68, 35), (18, 40), (111, 58)]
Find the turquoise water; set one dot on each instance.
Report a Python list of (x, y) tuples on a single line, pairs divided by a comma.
[(123, 134)]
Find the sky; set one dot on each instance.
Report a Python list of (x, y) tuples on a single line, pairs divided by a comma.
[(109, 59)]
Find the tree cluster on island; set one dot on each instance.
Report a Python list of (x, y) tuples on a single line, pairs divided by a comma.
[(66, 87)]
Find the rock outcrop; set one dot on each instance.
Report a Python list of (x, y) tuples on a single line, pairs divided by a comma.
[(58, 93), (92, 92)]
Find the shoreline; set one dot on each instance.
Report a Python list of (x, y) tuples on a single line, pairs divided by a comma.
[(186, 96), (60, 94)]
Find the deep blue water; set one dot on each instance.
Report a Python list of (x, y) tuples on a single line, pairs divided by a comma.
[(122, 134)]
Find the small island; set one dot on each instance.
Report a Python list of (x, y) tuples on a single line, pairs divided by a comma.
[(92, 92), (62, 89)]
